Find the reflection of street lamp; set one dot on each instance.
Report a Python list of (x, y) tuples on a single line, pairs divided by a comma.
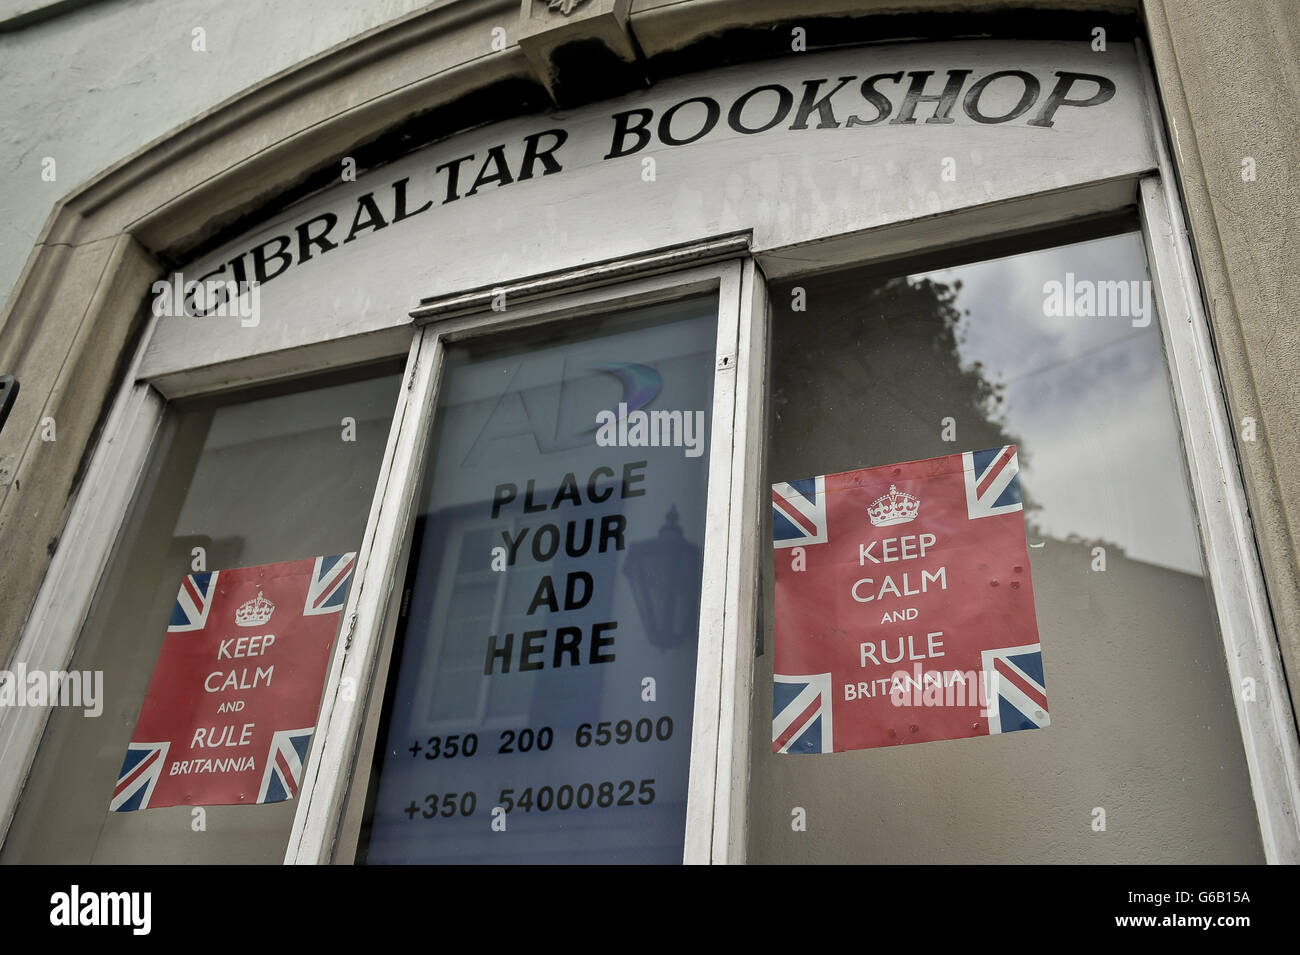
[(664, 573)]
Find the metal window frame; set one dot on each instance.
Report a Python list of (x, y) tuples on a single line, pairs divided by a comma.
[(718, 773)]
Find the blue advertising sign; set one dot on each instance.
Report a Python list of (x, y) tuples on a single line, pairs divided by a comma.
[(540, 699)]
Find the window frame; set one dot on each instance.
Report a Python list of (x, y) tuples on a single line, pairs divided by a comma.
[(48, 641), (114, 478), (719, 759)]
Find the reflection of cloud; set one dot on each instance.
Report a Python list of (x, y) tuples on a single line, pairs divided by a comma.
[(1117, 477), (1088, 397)]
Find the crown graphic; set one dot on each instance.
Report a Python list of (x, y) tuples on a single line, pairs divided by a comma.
[(896, 507), (254, 613)]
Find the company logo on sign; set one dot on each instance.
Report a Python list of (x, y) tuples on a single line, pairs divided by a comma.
[(896, 507), (254, 613)]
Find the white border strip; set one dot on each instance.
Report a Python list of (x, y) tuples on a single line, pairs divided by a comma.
[(747, 546), (709, 689), (1267, 724), (329, 769)]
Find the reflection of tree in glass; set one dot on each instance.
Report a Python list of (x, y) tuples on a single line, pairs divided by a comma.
[(868, 373), (878, 361)]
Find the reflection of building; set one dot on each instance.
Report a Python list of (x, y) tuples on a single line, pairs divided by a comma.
[(466, 157), (664, 574)]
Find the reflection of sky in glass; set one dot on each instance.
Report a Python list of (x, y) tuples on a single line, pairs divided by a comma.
[(1087, 398)]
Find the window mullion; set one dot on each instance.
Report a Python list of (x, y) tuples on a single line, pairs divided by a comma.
[(746, 549), (342, 712), (709, 689)]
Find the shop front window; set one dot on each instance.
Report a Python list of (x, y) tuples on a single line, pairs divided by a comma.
[(265, 480), (1057, 351), (540, 699)]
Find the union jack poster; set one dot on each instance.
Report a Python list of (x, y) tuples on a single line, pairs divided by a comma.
[(904, 606), (231, 706)]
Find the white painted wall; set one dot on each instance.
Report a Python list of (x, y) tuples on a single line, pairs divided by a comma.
[(94, 85)]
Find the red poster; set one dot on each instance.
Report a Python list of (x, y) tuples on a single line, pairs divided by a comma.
[(232, 703), (904, 606)]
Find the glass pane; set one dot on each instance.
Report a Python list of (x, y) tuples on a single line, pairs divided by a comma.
[(546, 661), (1033, 350), (277, 475)]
